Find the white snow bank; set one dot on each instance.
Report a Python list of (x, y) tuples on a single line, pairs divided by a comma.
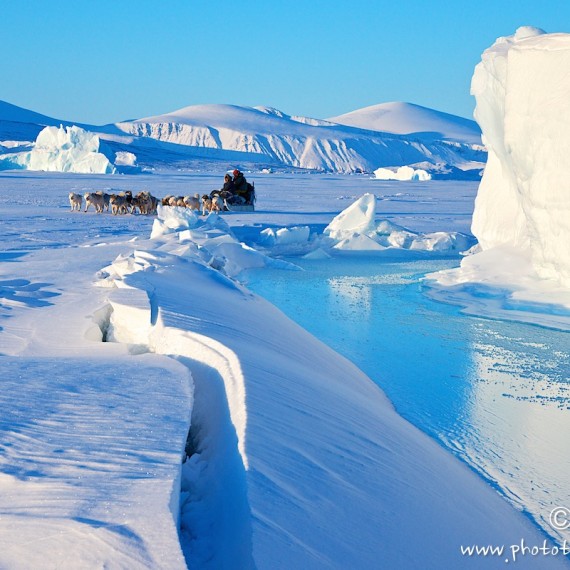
[(355, 229), (401, 173), (217, 245), (502, 283), (522, 210), (63, 149), (302, 462)]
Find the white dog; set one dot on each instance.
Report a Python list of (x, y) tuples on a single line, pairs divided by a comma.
[(192, 202), (206, 204), (217, 204), (96, 199), (106, 198), (75, 201)]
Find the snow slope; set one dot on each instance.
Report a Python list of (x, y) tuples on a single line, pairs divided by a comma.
[(296, 459), (17, 123), (409, 119)]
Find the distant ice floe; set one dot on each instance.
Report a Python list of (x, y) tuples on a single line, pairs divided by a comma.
[(401, 173), (522, 210), (63, 149)]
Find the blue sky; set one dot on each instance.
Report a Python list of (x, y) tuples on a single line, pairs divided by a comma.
[(104, 61)]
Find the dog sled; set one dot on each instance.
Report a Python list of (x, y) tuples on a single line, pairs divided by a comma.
[(246, 204)]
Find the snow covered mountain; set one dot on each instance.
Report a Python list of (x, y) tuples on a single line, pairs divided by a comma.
[(445, 145), (409, 119), (266, 135), (17, 123)]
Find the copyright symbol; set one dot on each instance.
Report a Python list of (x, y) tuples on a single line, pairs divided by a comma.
[(560, 518)]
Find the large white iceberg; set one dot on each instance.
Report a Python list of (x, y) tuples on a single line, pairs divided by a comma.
[(522, 209), (523, 109), (63, 149)]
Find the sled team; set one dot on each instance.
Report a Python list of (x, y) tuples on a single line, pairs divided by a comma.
[(235, 191)]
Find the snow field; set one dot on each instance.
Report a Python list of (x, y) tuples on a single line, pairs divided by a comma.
[(306, 436), (319, 470)]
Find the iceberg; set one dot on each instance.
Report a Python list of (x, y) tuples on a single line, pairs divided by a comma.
[(63, 149), (401, 173), (522, 209), (523, 109)]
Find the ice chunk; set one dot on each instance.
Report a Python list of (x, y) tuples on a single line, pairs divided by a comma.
[(285, 236), (359, 242), (401, 173), (63, 149), (358, 218), (124, 158)]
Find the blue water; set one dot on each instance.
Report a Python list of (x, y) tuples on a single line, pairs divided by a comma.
[(495, 393)]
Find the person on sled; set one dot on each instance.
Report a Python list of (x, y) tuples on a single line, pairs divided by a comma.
[(241, 187), (228, 190)]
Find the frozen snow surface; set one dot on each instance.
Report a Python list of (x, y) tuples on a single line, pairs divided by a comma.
[(522, 210), (294, 459), (62, 149)]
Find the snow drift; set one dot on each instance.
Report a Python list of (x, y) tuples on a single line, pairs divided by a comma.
[(62, 149)]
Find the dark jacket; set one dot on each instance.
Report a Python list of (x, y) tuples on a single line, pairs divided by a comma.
[(229, 186), (240, 185)]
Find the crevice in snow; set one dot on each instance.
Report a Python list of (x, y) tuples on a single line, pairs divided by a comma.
[(214, 507), (213, 510), (102, 322)]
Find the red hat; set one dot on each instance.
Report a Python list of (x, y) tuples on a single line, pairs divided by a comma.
[(236, 172)]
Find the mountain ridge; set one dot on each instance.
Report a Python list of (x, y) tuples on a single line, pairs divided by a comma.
[(268, 136)]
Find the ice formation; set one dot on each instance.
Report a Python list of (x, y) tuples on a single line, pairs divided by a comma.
[(355, 229), (523, 109), (401, 173), (62, 149)]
